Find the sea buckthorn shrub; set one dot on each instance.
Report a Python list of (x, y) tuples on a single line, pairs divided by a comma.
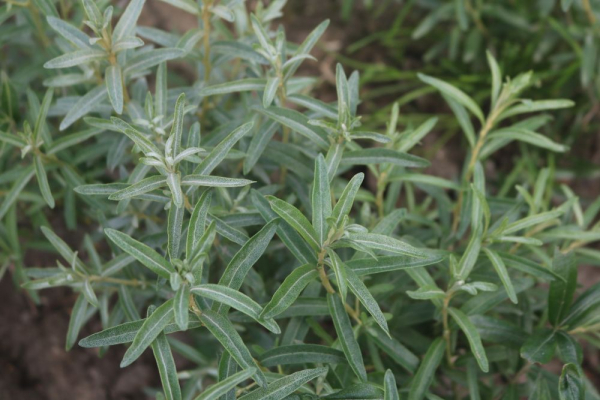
[(302, 255)]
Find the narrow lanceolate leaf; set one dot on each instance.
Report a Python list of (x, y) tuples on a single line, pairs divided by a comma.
[(166, 367), (75, 58), (40, 121), (306, 47), (220, 151), (390, 390), (128, 20), (394, 349), (500, 268), (177, 127), (63, 249), (144, 254), (528, 136), (296, 219), (288, 235), (76, 321), (344, 204), (136, 136), (181, 305), (174, 230), (382, 242), (289, 290), (472, 335), (69, 32), (571, 384), (540, 347), (301, 354), (242, 85), (226, 334), (144, 186), (361, 291), (339, 270), (297, 122), (197, 224), (150, 329), (10, 197), (149, 59), (174, 183), (219, 389), (454, 93), (114, 86), (426, 372), (285, 386), (376, 155), (321, 200), (233, 298), (85, 104), (346, 337), (270, 91), (244, 259), (561, 292), (214, 181), (496, 77), (42, 179)]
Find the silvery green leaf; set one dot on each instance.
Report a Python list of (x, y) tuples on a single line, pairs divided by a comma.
[(321, 200), (174, 183), (85, 104), (220, 388), (214, 181), (127, 303), (472, 335), (245, 258), (127, 43), (223, 12), (532, 221), (151, 328), (261, 35), (346, 337), (527, 136), (11, 139), (389, 386), (181, 304), (301, 354), (288, 235), (297, 122), (185, 5), (500, 268), (75, 58), (410, 139), (381, 156), (454, 93), (297, 58), (174, 229), (344, 204), (67, 141), (42, 179), (426, 372), (528, 106), (343, 92), (394, 349), (233, 298), (381, 242), (166, 367), (220, 151), (136, 136), (128, 20), (314, 105), (242, 85), (339, 270), (270, 91), (151, 58), (361, 291), (227, 231), (144, 254), (296, 219), (196, 225), (92, 12), (496, 76), (114, 87), (289, 290), (283, 387), (463, 118), (333, 159), (425, 180), (374, 136), (63, 249), (144, 186), (78, 317), (426, 292), (69, 32), (189, 39), (261, 138), (306, 47), (177, 127), (226, 334)]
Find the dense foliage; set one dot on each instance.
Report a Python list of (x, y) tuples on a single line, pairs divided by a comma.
[(304, 255)]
